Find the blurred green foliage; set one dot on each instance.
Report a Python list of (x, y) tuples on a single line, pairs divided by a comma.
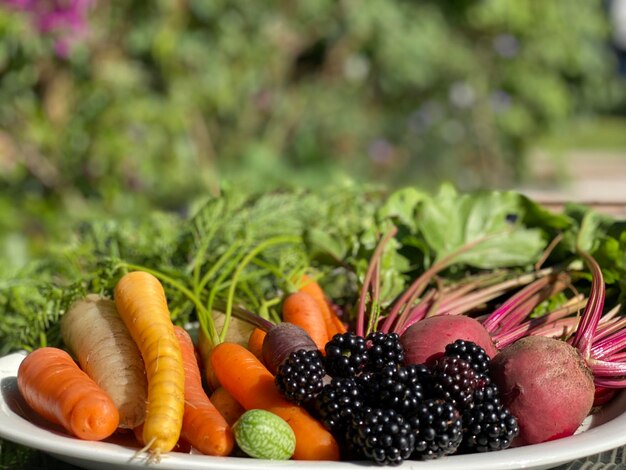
[(165, 99)]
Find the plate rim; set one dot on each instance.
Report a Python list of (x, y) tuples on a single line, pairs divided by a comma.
[(604, 437)]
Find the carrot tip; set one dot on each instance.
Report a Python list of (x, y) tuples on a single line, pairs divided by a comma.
[(153, 456)]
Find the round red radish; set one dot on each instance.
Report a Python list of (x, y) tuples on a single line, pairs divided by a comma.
[(426, 340), (546, 385)]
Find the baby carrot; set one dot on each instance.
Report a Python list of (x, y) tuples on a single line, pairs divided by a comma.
[(333, 323), (252, 385), (255, 342), (302, 310), (228, 407), (57, 389), (203, 425), (141, 302)]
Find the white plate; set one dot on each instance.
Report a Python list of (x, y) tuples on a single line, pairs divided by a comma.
[(604, 431)]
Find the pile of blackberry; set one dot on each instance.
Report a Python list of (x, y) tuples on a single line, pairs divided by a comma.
[(386, 411)]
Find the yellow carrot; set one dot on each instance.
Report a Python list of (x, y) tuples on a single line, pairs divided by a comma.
[(141, 302)]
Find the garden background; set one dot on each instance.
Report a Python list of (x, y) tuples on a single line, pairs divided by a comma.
[(116, 107), (112, 109)]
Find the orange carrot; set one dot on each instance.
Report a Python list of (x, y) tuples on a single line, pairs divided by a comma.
[(205, 347), (252, 385), (255, 342), (302, 310), (338, 327), (57, 389), (203, 425), (228, 407), (238, 332), (141, 302), (333, 323)]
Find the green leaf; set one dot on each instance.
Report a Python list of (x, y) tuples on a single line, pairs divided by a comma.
[(593, 228), (549, 305), (612, 259), (536, 215), (450, 221), (401, 206), (517, 248), (322, 244)]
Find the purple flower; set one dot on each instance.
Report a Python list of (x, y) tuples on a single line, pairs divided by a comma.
[(65, 20), (381, 151), (500, 101), (506, 45)]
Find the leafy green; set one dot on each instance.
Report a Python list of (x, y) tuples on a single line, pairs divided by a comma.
[(592, 227), (248, 249), (549, 305), (210, 255), (449, 221)]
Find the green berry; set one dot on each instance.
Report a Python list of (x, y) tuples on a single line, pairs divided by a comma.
[(264, 435)]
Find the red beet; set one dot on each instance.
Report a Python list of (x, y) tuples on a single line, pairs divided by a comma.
[(537, 376), (426, 340)]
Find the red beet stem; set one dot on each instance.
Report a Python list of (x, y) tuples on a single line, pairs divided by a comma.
[(482, 296), (495, 320), (607, 368), (417, 313), (583, 339), (609, 345), (371, 269), (607, 326), (618, 357), (411, 294), (610, 382), (537, 326)]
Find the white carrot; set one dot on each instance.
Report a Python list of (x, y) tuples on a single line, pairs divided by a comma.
[(95, 334)]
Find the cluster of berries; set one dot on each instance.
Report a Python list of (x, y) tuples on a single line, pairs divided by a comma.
[(383, 410)]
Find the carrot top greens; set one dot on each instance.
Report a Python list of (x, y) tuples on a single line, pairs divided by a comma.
[(246, 249)]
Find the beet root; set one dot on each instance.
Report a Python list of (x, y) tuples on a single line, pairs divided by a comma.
[(280, 341), (546, 385), (426, 340)]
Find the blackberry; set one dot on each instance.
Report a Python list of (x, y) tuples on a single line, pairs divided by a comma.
[(472, 353), (425, 377), (454, 380), (399, 389), (300, 377), (380, 435), (337, 402), (488, 426), (346, 355), (437, 428), (489, 392), (383, 349)]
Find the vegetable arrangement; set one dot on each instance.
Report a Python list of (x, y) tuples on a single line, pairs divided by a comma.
[(362, 326)]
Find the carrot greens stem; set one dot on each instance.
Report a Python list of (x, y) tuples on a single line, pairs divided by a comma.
[(243, 263), (217, 266)]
